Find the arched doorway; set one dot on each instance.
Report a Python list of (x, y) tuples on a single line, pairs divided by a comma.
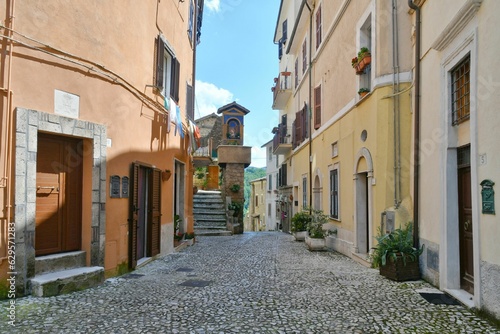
[(317, 192), (363, 220)]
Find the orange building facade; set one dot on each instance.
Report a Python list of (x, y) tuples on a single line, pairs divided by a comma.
[(96, 106)]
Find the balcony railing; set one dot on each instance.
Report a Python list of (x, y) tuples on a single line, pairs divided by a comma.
[(204, 155), (282, 90), (282, 143)]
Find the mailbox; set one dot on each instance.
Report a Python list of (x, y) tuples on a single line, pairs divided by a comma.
[(488, 197), (115, 186), (125, 187)]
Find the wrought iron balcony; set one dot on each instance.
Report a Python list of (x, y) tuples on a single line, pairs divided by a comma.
[(282, 142), (282, 90)]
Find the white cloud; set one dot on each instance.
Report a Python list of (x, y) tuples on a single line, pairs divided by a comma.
[(209, 98), (258, 157), (213, 5)]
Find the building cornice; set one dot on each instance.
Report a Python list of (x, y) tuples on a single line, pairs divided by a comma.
[(459, 21)]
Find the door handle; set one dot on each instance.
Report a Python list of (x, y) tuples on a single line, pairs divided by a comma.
[(466, 225), (47, 188)]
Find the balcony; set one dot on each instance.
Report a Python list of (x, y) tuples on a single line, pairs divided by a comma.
[(205, 155), (282, 143), (282, 90)]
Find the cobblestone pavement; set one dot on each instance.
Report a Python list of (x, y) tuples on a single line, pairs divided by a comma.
[(250, 283)]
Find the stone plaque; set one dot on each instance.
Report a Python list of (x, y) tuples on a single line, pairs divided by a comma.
[(66, 104)]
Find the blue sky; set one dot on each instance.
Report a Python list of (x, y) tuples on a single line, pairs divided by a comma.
[(237, 61)]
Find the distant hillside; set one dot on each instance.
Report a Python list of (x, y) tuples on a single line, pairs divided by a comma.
[(251, 173)]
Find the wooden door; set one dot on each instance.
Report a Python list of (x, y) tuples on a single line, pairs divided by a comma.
[(145, 213), (58, 195), (213, 177), (465, 230)]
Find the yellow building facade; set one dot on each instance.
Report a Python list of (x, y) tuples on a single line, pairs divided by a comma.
[(340, 152)]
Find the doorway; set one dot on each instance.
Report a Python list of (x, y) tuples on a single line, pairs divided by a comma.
[(59, 175), (465, 220), (145, 213), (362, 226)]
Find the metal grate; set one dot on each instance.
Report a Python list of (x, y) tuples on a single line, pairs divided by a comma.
[(460, 91), (463, 156)]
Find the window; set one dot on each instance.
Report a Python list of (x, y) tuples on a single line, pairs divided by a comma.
[(334, 193), (269, 209), (460, 91), (317, 107), (190, 29), (285, 31), (256, 200), (335, 150), (189, 101), (270, 182), (296, 72), (270, 154), (282, 175), (304, 56), (304, 192), (318, 27), (300, 127), (365, 40), (167, 70)]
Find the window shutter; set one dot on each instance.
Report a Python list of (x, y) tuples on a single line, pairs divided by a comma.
[(294, 135), (285, 31), (317, 107), (298, 127), (160, 58), (189, 102), (154, 212), (174, 86), (318, 27), (283, 128), (134, 217)]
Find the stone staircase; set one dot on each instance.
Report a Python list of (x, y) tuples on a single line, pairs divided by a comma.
[(209, 214), (58, 274)]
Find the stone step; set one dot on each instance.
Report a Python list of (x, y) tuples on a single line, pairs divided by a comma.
[(210, 226), (60, 261), (213, 233), (65, 281), (210, 207), (208, 201), (209, 215)]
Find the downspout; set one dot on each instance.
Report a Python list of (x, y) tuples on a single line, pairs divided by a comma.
[(309, 106), (416, 140), (396, 111), (7, 178)]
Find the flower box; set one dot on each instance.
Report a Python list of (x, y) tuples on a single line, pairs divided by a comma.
[(315, 244), (397, 271), (300, 236)]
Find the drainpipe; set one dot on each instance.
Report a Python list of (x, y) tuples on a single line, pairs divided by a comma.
[(309, 106), (416, 140), (396, 111), (7, 178)]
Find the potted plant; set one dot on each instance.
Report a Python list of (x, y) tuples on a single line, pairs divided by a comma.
[(316, 239), (300, 222), (364, 58), (190, 238), (395, 255), (363, 91), (235, 207)]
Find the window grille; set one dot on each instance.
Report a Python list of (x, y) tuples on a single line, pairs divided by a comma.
[(460, 91)]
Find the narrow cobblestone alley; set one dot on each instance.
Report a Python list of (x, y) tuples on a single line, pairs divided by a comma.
[(250, 283)]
